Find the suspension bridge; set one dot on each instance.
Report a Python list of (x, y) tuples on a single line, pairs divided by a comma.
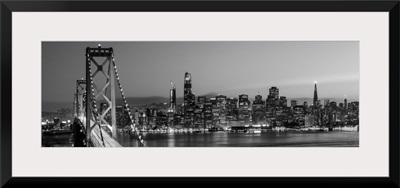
[(95, 125)]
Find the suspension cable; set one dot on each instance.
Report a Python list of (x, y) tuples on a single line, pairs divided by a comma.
[(132, 123)]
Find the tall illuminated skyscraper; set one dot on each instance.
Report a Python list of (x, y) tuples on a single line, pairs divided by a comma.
[(172, 98), (187, 90), (188, 98), (315, 101)]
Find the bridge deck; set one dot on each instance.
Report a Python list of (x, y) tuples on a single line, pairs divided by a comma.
[(95, 138)]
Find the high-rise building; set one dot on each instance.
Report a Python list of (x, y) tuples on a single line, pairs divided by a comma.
[(198, 117), (201, 101), (345, 102), (274, 92), (283, 101), (188, 99), (215, 111), (187, 90), (172, 99), (221, 104), (244, 101), (232, 110), (273, 98), (258, 115), (244, 113), (315, 101), (208, 115)]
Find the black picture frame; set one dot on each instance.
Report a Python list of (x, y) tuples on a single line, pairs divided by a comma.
[(7, 7)]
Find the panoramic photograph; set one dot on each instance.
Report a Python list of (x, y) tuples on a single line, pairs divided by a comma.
[(200, 94)]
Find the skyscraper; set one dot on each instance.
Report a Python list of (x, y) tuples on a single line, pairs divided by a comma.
[(187, 91), (189, 99), (244, 113), (273, 97), (258, 115), (315, 101), (232, 109), (345, 102), (274, 92), (172, 98)]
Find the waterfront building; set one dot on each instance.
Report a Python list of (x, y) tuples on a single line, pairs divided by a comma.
[(170, 114), (148, 114), (309, 120), (232, 110), (221, 104), (142, 119), (119, 113), (208, 116), (198, 117), (298, 114), (178, 119), (258, 115), (215, 112), (161, 119), (244, 113)]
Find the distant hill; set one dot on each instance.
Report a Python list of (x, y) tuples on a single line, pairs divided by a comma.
[(54, 106)]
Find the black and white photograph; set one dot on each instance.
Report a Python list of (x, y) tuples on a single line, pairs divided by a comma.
[(244, 93), (200, 94)]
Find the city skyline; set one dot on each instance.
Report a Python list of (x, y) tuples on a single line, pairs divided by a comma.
[(100, 105), (146, 68)]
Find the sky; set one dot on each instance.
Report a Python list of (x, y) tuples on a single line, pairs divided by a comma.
[(229, 68)]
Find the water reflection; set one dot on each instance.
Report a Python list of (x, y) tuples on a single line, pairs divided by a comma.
[(264, 139)]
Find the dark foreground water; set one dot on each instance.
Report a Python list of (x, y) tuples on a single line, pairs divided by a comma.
[(264, 139), (57, 140), (225, 139)]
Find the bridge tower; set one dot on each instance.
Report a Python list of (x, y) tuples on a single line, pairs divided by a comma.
[(95, 91)]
